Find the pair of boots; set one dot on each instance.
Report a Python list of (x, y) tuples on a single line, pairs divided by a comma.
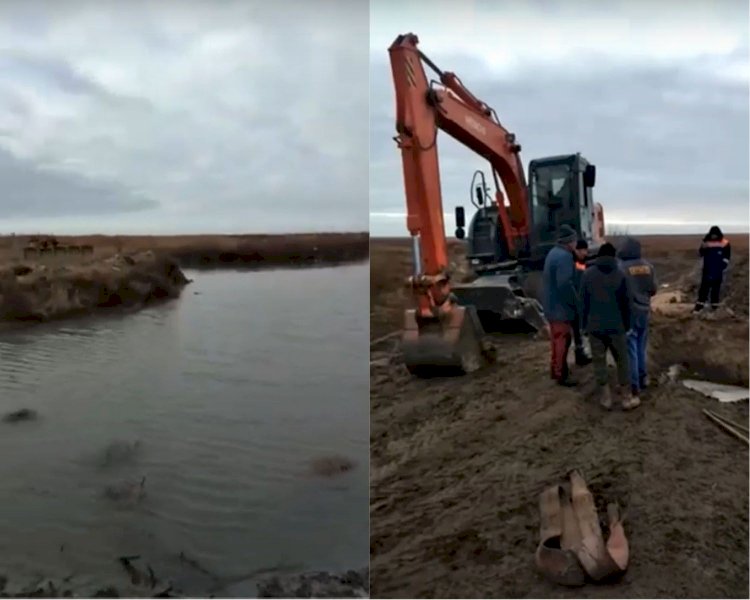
[(699, 306), (628, 399)]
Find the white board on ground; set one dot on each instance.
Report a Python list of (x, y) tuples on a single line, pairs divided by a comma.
[(722, 393)]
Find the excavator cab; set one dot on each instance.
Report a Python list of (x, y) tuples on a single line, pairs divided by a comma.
[(507, 287), (561, 192)]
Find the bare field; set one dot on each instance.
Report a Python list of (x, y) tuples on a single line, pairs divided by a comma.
[(457, 464)]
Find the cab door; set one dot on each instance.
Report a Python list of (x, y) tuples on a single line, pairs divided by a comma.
[(585, 207)]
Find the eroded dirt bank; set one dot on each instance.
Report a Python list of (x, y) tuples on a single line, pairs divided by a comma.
[(45, 277), (321, 584), (457, 464), (32, 291), (142, 584)]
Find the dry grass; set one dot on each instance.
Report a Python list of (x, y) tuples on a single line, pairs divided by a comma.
[(214, 250)]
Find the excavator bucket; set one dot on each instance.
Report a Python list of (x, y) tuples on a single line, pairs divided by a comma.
[(453, 345), (499, 300)]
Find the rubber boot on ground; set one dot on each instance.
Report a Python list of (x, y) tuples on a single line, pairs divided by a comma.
[(605, 398), (631, 401), (567, 381), (582, 359)]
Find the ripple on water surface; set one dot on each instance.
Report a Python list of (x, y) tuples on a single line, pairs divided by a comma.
[(231, 392)]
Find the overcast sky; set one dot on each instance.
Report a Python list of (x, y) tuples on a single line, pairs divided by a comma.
[(655, 94), (179, 117)]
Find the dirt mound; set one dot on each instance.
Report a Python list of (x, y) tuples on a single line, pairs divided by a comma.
[(734, 293), (711, 345), (715, 349), (43, 293)]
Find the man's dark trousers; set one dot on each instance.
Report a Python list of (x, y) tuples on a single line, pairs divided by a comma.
[(617, 344)]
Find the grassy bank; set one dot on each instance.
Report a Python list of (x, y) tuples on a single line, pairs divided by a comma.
[(38, 292)]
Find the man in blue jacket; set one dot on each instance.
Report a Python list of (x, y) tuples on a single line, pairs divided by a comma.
[(560, 302), (641, 279), (716, 252)]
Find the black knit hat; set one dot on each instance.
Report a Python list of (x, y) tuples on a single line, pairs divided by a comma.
[(567, 235)]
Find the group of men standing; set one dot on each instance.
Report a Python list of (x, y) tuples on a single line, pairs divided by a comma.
[(609, 300)]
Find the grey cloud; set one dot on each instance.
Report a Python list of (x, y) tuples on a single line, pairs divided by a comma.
[(56, 72), (226, 111), (31, 191)]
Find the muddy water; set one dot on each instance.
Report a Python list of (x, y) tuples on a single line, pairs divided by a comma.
[(231, 390)]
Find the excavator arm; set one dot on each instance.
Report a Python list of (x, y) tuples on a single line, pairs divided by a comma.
[(424, 107), (439, 332)]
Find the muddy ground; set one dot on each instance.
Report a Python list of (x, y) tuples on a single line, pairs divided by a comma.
[(457, 464)]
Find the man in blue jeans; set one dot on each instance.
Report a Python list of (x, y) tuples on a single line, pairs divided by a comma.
[(641, 279)]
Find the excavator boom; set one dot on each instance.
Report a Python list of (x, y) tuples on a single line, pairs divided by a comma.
[(424, 107)]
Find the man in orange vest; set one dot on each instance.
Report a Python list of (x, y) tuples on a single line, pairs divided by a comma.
[(716, 252)]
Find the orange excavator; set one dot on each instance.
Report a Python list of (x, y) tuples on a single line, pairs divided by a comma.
[(508, 236)]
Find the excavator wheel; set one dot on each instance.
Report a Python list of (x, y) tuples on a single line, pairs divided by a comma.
[(452, 346)]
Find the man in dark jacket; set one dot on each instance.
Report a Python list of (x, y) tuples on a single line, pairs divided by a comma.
[(606, 318), (560, 301), (641, 279), (580, 253), (716, 252)]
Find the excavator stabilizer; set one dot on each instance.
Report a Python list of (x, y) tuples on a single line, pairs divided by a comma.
[(498, 299), (453, 344)]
